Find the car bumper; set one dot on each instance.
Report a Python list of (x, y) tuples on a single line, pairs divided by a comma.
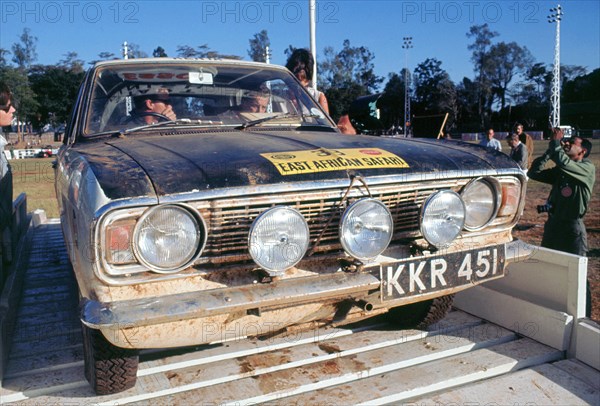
[(249, 299)]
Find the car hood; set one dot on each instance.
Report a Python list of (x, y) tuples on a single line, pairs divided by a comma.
[(198, 161)]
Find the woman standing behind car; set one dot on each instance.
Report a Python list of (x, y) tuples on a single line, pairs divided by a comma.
[(301, 63)]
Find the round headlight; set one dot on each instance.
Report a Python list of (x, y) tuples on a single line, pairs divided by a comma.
[(481, 203), (442, 218), (366, 228), (278, 239), (167, 238)]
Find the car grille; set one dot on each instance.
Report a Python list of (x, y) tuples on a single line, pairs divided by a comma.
[(229, 220)]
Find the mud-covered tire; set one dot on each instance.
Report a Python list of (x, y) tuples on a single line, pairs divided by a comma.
[(421, 314), (108, 369)]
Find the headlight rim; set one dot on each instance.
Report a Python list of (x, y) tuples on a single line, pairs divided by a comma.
[(422, 216), (342, 222), (254, 225), (202, 240), (497, 190)]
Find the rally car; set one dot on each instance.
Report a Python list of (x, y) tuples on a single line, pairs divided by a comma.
[(204, 200)]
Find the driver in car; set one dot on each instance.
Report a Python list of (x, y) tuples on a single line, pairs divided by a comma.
[(153, 108)]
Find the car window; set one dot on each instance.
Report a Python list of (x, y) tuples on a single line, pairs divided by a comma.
[(128, 95)]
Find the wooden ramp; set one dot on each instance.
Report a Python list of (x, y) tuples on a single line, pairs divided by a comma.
[(462, 359)]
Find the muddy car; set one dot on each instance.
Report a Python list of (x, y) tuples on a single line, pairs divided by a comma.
[(206, 200)]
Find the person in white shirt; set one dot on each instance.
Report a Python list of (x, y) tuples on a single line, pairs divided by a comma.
[(490, 142)]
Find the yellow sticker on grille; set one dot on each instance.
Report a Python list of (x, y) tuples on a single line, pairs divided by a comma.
[(323, 160)]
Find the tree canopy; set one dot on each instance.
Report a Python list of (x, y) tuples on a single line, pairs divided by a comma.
[(507, 84), (258, 46)]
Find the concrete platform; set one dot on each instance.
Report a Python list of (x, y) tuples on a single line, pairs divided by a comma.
[(464, 359)]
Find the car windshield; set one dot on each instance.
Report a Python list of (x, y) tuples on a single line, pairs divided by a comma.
[(128, 96)]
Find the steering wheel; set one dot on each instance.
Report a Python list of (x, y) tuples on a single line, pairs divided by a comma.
[(161, 117)]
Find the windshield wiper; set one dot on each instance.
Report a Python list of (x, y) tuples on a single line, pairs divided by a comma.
[(164, 123), (252, 123)]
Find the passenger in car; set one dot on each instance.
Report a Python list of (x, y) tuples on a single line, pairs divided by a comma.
[(254, 102)]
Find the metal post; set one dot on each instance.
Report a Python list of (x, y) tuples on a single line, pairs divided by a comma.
[(555, 17), (128, 103), (312, 7), (407, 45), (268, 61)]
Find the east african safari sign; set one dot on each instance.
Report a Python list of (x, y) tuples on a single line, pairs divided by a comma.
[(323, 160)]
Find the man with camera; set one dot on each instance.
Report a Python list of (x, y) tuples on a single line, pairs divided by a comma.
[(572, 179)]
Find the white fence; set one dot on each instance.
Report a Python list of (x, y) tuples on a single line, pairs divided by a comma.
[(26, 153)]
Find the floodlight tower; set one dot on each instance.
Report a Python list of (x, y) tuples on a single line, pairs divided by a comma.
[(555, 17), (407, 45)]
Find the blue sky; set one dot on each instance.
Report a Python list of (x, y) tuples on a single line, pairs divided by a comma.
[(438, 28)]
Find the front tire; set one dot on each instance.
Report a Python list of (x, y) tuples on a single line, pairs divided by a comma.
[(108, 369), (421, 314)]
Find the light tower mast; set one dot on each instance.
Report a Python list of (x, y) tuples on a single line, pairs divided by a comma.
[(555, 17)]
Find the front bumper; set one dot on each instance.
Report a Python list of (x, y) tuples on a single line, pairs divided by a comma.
[(144, 312), (250, 298)]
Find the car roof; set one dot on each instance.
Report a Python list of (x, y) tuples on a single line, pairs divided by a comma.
[(154, 61)]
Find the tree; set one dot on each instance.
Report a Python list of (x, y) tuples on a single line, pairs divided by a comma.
[(393, 100), (467, 94), (24, 53), (435, 93), (570, 72), (23, 95), (351, 64), (582, 88), (201, 51), (186, 51), (159, 52), (346, 75), (3, 54), (55, 90), (482, 41), (258, 46), (538, 76), (72, 62), (135, 52), (505, 61), (104, 56)]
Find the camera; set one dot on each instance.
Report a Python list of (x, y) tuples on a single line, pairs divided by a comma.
[(544, 208)]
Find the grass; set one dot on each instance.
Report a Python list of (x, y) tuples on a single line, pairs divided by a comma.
[(35, 177)]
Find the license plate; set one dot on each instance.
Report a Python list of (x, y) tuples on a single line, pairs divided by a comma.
[(422, 275)]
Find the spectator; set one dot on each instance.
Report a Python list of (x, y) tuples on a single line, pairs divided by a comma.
[(572, 179), (527, 140), (518, 151), (490, 142), (6, 188), (301, 63)]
